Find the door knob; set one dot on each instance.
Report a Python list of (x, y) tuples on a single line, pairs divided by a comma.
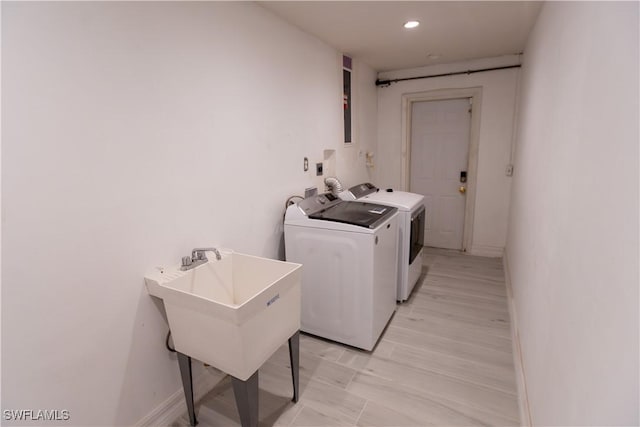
[(462, 189)]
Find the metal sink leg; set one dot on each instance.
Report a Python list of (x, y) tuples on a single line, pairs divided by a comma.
[(294, 358), (246, 393), (184, 362)]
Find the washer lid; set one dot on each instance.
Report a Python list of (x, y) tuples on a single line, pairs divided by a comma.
[(369, 215)]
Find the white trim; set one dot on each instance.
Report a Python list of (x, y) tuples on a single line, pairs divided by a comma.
[(475, 94), (175, 405), (518, 358), (487, 251)]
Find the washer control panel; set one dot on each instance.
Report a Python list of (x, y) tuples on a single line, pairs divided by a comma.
[(363, 189), (317, 203)]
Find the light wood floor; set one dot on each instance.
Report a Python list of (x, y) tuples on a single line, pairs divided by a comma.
[(444, 359)]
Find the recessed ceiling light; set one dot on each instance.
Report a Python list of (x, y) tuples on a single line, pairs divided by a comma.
[(411, 24)]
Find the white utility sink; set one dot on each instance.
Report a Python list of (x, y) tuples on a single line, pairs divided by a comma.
[(231, 313)]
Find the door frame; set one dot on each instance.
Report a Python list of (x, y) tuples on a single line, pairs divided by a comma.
[(473, 93)]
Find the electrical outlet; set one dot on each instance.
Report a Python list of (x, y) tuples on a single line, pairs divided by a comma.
[(318, 169), (509, 170)]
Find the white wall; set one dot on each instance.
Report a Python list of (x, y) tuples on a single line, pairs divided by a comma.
[(496, 121), (133, 132), (572, 250)]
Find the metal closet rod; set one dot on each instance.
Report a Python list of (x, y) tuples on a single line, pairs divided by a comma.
[(456, 73)]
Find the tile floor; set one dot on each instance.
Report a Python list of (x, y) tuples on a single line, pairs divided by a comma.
[(445, 359)]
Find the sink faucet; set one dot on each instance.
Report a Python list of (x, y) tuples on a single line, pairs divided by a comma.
[(200, 253), (198, 256)]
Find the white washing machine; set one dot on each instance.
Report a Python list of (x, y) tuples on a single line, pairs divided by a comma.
[(349, 255), (410, 229)]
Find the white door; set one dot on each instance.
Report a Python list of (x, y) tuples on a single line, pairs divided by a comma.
[(439, 156)]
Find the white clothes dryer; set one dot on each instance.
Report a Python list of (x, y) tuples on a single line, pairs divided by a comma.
[(412, 216)]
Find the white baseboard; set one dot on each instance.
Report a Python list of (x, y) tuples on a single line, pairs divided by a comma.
[(487, 251), (518, 360), (172, 408)]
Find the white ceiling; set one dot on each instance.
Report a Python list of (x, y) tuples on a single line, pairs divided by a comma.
[(372, 31)]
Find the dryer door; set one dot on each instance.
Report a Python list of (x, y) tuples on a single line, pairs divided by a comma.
[(417, 233)]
